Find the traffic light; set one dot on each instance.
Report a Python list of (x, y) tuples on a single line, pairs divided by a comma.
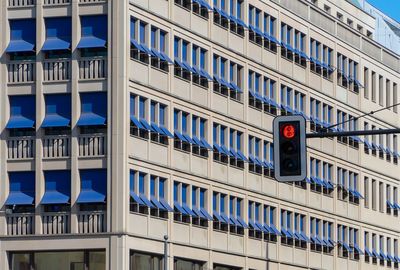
[(290, 148)]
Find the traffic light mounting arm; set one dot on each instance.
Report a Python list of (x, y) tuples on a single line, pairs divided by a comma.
[(352, 133)]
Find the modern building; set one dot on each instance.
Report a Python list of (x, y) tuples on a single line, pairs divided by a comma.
[(126, 121)]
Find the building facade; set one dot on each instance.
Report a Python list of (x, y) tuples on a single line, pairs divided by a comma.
[(126, 121)]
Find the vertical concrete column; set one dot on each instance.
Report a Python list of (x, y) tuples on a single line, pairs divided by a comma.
[(118, 117), (4, 33), (40, 113), (75, 179)]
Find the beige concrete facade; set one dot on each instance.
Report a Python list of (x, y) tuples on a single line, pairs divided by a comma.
[(124, 227)]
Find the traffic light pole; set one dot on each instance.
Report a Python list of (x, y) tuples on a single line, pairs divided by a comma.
[(329, 134)]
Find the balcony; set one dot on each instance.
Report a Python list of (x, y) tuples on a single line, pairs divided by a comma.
[(92, 222), (56, 146), (56, 70), (92, 69), (21, 148), (92, 145), (21, 72), (91, 1), (21, 3), (56, 2), (20, 224), (56, 223)]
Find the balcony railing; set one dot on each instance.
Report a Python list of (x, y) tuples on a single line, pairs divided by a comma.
[(55, 2), (56, 70), (21, 3), (92, 69), (20, 224), (92, 222), (91, 1), (56, 146), (21, 72), (21, 148), (55, 223), (92, 145)]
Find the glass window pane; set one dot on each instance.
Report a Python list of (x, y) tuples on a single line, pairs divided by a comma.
[(97, 260), (59, 260), (20, 261)]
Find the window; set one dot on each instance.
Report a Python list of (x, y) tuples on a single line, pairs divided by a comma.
[(342, 183), (373, 86), (139, 41), (200, 145), (237, 24), (381, 203), (256, 229), (327, 237), (287, 34), (327, 9), (299, 231), (199, 61), (158, 42), (148, 194), (316, 235), (255, 33), (354, 244), (255, 155), (221, 152), (139, 115), (221, 67), (199, 207), (270, 104), (300, 56), (221, 17), (286, 227), (182, 211), (220, 210), (366, 192), (269, 223), (181, 130), (237, 157), (255, 83), (339, 16), (184, 264), (354, 194), (344, 248), (182, 67), (237, 224), (268, 161), (200, 8), (374, 194), (270, 41), (146, 261)]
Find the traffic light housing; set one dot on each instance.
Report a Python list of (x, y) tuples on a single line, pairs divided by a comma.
[(290, 148)]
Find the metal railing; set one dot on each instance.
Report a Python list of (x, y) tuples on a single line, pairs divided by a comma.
[(21, 148), (56, 146), (20, 224), (56, 70), (92, 145), (21, 72), (92, 222), (92, 68), (21, 3), (55, 223), (56, 2)]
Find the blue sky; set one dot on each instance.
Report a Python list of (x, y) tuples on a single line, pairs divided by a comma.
[(390, 7)]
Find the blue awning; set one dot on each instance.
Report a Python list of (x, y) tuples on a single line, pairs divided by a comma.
[(94, 109), (179, 208), (136, 198), (57, 187), (136, 122), (58, 34), (22, 188), (94, 32), (203, 3), (206, 214), (166, 205), (58, 111), (93, 186), (22, 36), (22, 112), (163, 56)]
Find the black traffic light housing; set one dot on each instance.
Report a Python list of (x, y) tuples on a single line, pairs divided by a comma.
[(290, 157)]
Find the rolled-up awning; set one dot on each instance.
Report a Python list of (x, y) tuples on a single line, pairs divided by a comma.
[(58, 34), (22, 112), (94, 32), (94, 109), (22, 36), (57, 187), (22, 188)]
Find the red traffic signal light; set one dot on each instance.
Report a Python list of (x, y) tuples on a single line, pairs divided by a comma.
[(288, 131), (290, 148)]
